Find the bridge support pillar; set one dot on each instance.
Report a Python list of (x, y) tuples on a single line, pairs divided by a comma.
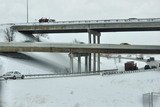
[(79, 56), (71, 63), (86, 63), (79, 63), (96, 57)]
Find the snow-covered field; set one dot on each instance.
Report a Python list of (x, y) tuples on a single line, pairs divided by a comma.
[(124, 90), (93, 91)]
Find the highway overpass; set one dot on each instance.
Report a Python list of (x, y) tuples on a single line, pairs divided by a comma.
[(79, 48), (94, 29), (113, 25)]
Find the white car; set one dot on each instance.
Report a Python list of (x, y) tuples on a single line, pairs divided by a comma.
[(13, 75)]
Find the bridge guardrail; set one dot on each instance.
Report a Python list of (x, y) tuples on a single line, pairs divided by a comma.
[(60, 75), (125, 72), (95, 21)]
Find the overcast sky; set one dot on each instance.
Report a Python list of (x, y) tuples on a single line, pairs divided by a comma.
[(14, 11)]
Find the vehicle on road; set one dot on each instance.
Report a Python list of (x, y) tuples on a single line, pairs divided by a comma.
[(125, 44), (151, 59), (139, 56), (42, 20), (13, 75), (130, 66), (147, 67)]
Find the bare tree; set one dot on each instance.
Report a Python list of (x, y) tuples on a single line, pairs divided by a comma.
[(9, 34)]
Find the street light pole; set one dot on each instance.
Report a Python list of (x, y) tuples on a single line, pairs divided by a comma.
[(27, 11)]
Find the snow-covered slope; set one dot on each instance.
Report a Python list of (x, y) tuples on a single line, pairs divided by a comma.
[(36, 63), (92, 91)]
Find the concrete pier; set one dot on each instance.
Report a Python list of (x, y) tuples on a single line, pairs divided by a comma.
[(79, 61), (96, 57)]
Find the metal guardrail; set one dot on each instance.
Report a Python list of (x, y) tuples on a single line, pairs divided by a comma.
[(125, 72), (59, 75), (69, 74), (63, 75), (130, 20), (102, 72)]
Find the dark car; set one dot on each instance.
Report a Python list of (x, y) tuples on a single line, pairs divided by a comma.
[(147, 67)]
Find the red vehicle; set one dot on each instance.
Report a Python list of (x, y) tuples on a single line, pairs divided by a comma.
[(130, 66), (43, 20), (46, 20)]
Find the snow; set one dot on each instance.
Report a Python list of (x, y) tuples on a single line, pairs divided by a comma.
[(94, 91), (10, 64), (90, 91)]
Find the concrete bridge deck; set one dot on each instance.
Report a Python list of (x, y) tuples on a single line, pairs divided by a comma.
[(78, 48), (113, 25)]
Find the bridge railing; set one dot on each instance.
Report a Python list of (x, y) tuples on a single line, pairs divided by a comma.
[(56, 75), (130, 20), (112, 20), (131, 71), (103, 72)]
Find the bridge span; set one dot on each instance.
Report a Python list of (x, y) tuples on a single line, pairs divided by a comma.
[(113, 25), (79, 48)]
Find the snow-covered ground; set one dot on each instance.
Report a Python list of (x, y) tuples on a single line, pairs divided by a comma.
[(93, 91)]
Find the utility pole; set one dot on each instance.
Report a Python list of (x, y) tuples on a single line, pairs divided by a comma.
[(27, 11)]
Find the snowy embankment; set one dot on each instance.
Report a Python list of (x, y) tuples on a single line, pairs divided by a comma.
[(94, 91)]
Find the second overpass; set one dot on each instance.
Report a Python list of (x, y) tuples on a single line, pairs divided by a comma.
[(79, 48)]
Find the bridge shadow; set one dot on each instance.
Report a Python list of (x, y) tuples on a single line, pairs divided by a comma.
[(54, 67)]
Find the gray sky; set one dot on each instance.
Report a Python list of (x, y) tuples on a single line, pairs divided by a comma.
[(15, 11)]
